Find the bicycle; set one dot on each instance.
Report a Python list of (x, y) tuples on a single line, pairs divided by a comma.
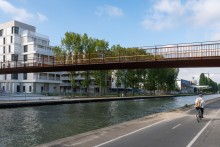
[(198, 115)]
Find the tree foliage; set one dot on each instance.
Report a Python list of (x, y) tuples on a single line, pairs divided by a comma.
[(203, 80), (75, 47)]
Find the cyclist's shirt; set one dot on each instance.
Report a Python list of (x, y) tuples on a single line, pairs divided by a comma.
[(199, 102)]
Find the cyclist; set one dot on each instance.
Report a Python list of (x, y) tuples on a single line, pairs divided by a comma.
[(199, 104)]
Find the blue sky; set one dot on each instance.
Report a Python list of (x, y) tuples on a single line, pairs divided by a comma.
[(131, 24)]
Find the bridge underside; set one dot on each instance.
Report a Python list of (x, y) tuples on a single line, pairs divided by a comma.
[(172, 63)]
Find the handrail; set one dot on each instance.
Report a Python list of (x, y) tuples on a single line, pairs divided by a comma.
[(166, 52)]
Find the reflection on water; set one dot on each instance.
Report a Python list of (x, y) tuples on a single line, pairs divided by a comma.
[(31, 126)]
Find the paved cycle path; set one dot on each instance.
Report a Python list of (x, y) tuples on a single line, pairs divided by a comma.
[(174, 129)]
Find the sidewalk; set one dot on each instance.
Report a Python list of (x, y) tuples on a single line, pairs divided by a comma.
[(26, 97)]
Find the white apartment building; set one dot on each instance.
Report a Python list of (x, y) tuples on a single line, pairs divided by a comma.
[(20, 42)]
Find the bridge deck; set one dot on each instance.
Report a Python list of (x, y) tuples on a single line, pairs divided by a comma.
[(205, 54)]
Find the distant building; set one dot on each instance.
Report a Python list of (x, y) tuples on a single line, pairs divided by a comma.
[(19, 42), (185, 86)]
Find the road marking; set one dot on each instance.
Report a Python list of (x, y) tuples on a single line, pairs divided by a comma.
[(131, 133), (176, 126), (197, 136)]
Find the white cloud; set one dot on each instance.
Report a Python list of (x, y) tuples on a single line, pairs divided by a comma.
[(108, 10), (19, 14), (206, 12), (16, 13), (172, 13), (163, 14), (41, 17), (215, 35), (157, 22), (169, 7)]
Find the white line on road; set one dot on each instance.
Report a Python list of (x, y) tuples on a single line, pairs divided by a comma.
[(176, 126), (131, 133), (197, 136), (200, 132)]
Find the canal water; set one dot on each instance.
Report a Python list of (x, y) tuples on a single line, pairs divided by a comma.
[(30, 126)]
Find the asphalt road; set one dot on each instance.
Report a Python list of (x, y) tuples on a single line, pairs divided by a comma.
[(180, 132)]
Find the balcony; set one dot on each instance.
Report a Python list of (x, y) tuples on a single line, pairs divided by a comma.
[(34, 34)]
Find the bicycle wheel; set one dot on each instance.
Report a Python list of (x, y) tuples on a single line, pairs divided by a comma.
[(198, 115)]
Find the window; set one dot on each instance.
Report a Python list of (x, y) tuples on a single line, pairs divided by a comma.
[(25, 76), (57, 77), (1, 32), (5, 77), (40, 46), (9, 48), (23, 88), (4, 58), (30, 88), (4, 49), (14, 57), (44, 42), (14, 76), (25, 48), (25, 57), (15, 30), (11, 39), (18, 88), (42, 89), (4, 40)]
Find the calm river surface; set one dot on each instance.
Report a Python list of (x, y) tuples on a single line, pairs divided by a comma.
[(30, 126)]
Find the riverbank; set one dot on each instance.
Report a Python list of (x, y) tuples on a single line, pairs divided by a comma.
[(111, 133), (40, 101)]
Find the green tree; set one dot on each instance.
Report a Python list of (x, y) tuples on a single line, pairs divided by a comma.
[(168, 76), (59, 55), (88, 45), (203, 80), (118, 74), (101, 47), (72, 45)]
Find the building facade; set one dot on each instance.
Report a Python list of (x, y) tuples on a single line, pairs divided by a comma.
[(20, 43), (185, 86)]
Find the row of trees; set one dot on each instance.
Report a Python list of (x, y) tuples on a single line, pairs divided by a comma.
[(203, 80), (148, 79)]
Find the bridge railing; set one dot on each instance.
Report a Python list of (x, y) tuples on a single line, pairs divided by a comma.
[(165, 52), (193, 50)]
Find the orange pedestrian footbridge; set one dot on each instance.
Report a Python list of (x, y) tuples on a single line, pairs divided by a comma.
[(185, 55)]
